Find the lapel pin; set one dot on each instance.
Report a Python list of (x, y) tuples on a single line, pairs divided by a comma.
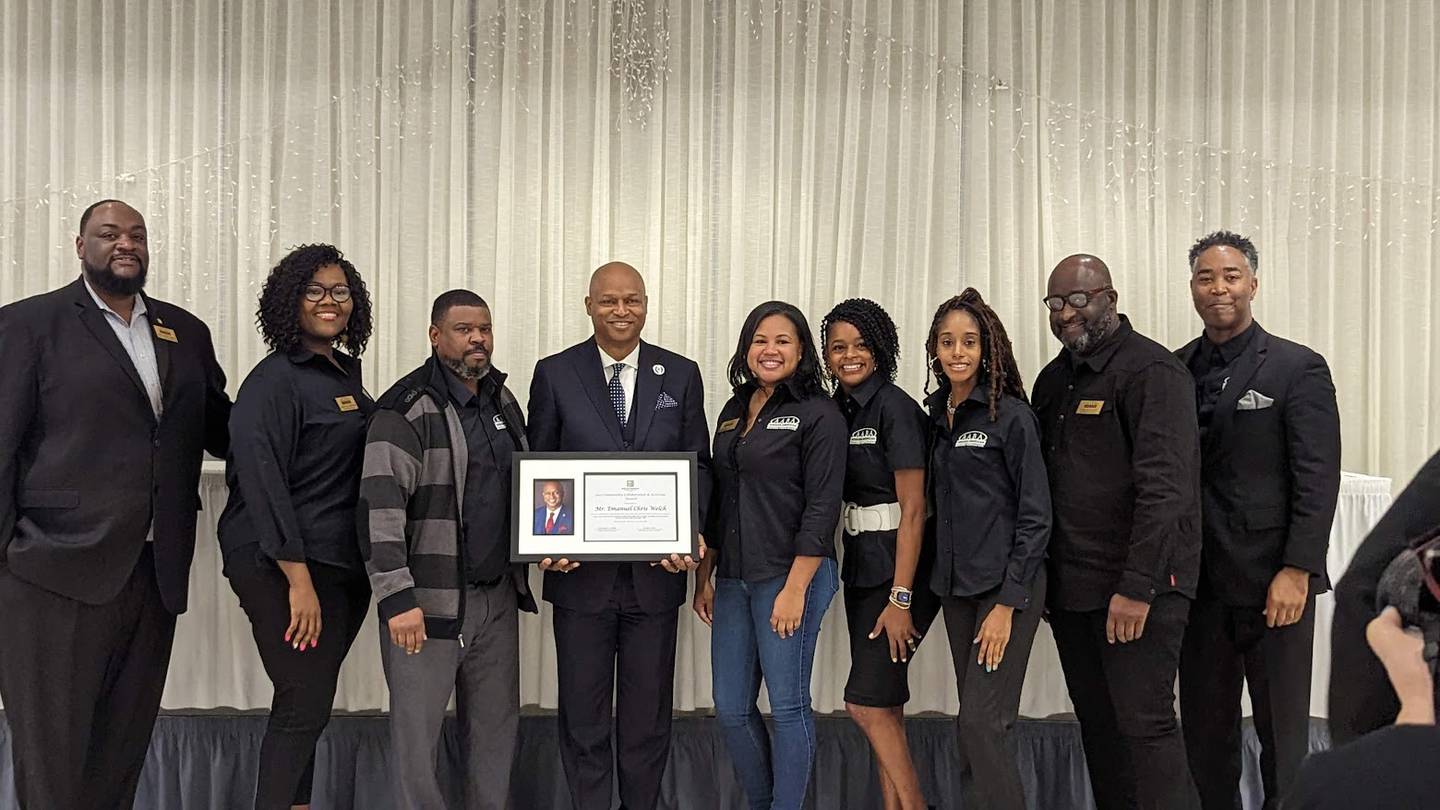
[(658, 369)]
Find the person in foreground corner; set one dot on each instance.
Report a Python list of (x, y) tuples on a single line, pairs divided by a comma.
[(1118, 430), (779, 477), (1398, 766), (616, 623), (108, 400), (888, 604), (435, 524), (1270, 477), (993, 516), (288, 529)]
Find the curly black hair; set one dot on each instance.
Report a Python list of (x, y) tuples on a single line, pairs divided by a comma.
[(999, 371), (875, 327), (1227, 239), (278, 314), (807, 377)]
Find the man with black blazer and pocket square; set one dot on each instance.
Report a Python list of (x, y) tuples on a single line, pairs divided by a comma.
[(1270, 477), (108, 399), (615, 623)]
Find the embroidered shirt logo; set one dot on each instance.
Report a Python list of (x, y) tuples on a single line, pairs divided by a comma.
[(864, 436), (499, 422), (783, 423), (975, 438)]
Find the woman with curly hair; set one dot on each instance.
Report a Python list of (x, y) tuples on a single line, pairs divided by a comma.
[(886, 553), (779, 468), (992, 513), (297, 440)]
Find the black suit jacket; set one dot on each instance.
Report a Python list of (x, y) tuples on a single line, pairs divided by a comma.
[(570, 410), (1361, 697), (84, 466), (1270, 474)]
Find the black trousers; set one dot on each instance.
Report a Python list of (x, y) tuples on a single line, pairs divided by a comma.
[(82, 685), (630, 655), (1124, 696), (304, 680), (990, 701), (1226, 646)]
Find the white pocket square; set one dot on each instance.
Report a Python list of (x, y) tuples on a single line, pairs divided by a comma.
[(1253, 401), (665, 401)]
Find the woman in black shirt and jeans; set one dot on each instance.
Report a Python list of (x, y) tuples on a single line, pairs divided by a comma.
[(886, 570), (297, 440), (992, 513), (779, 467)]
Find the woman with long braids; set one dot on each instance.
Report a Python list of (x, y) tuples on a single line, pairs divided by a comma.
[(297, 440), (886, 569), (992, 512)]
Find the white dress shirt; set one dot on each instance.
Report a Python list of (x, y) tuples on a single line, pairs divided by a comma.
[(628, 374)]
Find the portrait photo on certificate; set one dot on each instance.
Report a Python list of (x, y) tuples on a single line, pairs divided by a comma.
[(600, 506)]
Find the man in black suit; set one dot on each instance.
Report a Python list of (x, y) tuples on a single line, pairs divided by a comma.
[(108, 399), (1270, 476), (615, 393)]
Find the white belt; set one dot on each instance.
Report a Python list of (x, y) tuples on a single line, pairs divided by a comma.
[(882, 517)]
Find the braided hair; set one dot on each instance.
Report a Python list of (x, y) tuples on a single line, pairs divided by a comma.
[(278, 314), (875, 328), (998, 369)]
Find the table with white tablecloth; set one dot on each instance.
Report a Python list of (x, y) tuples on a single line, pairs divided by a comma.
[(215, 664)]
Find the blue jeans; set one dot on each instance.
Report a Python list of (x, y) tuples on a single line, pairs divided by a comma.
[(744, 649)]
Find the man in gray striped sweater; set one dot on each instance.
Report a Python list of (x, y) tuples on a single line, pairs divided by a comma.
[(435, 526)]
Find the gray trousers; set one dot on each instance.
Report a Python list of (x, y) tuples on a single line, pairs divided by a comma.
[(484, 675)]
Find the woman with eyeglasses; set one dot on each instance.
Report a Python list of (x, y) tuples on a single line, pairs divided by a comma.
[(297, 440), (992, 516), (779, 470)]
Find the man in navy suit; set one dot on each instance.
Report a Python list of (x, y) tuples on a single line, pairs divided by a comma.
[(553, 517), (614, 622), (1270, 476)]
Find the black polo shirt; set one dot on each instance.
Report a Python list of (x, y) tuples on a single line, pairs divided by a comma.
[(1211, 369), (1118, 428), (297, 443), (991, 496), (485, 507), (777, 488), (887, 433)]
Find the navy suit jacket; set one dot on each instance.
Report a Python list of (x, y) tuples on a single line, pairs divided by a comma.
[(1270, 475), (564, 522), (570, 411)]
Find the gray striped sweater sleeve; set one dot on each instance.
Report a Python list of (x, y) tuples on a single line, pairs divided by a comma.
[(388, 479)]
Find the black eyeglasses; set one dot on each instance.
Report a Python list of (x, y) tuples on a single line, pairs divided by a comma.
[(1078, 300), (315, 293)]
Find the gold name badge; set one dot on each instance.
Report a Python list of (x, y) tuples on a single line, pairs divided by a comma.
[(347, 404), (165, 333), (1090, 407), (728, 424)]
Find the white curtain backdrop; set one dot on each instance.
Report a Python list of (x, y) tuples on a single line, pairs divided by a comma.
[(741, 150)]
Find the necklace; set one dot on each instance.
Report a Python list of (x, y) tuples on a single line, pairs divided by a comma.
[(949, 408)]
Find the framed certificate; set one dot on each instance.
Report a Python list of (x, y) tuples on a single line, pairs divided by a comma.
[(603, 506)]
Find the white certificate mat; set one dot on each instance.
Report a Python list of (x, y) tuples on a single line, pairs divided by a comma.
[(604, 506)]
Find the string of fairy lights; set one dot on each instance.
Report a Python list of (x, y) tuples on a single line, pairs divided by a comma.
[(510, 49)]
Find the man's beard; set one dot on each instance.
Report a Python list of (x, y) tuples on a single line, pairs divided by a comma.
[(1091, 336), (464, 370), (103, 279)]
